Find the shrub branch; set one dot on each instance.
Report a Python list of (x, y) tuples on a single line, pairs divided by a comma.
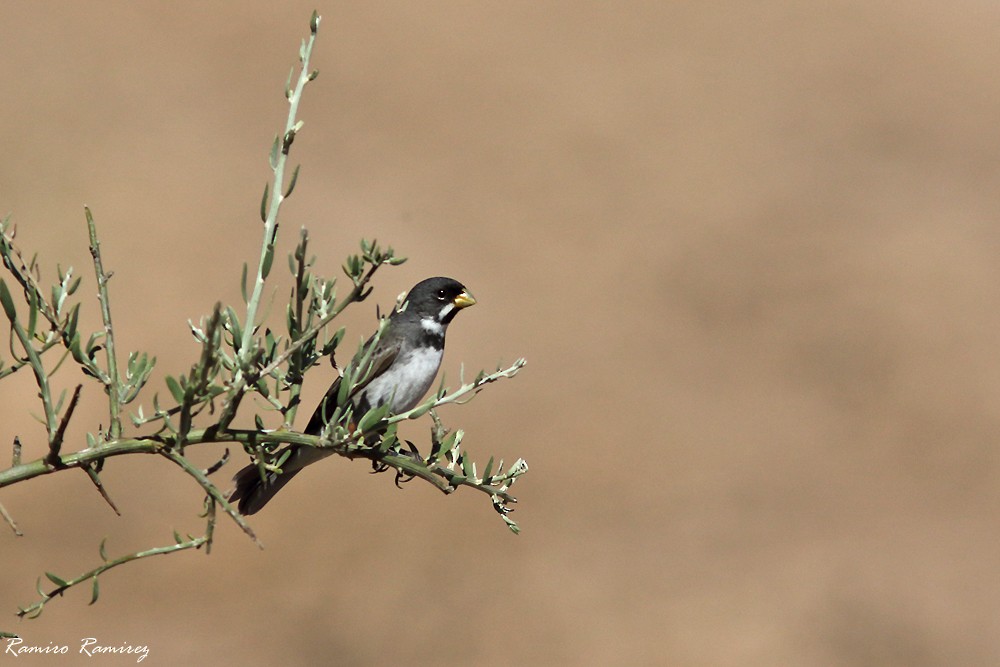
[(236, 360)]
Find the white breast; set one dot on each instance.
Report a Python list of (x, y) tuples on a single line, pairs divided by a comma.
[(407, 380)]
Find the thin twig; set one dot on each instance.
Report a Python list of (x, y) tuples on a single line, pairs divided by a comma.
[(80, 458), (96, 479), (41, 377), (301, 291), (18, 268), (443, 478), (215, 467), (35, 609), (470, 390), (21, 363), (201, 375), (278, 160), (316, 328), (209, 522), (56, 444), (212, 491), (10, 520), (113, 380)]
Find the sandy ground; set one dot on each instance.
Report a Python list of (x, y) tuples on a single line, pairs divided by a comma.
[(750, 252)]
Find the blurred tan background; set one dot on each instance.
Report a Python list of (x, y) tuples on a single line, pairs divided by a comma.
[(750, 251)]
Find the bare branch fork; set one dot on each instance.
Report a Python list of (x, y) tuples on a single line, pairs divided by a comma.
[(237, 360)]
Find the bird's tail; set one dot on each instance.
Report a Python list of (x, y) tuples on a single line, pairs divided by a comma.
[(254, 492)]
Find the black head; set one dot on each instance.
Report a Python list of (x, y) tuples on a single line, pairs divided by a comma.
[(437, 299)]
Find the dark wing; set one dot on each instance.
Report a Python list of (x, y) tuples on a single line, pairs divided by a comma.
[(382, 358)]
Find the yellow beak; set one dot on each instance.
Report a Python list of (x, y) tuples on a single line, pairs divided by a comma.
[(464, 300)]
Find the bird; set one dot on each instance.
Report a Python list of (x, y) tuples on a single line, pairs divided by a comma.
[(405, 362)]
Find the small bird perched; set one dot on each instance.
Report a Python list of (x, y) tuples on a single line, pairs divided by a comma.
[(404, 365)]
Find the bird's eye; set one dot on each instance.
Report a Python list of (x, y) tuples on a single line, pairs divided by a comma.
[(441, 295)]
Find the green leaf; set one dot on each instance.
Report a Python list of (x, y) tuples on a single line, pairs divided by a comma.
[(373, 417), (243, 283), (135, 363), (100, 550), (270, 344), (71, 324), (488, 470), (93, 345), (59, 403), (285, 455), (234, 326), (291, 183), (61, 583), (262, 389), (94, 592), (7, 301), (421, 410), (449, 441), (33, 313), (519, 468), (332, 344), (175, 389), (442, 446), (345, 386), (265, 268), (177, 537), (142, 377), (273, 157), (263, 201), (389, 441), (288, 84)]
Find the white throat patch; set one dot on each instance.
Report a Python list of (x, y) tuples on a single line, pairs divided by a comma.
[(430, 325)]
